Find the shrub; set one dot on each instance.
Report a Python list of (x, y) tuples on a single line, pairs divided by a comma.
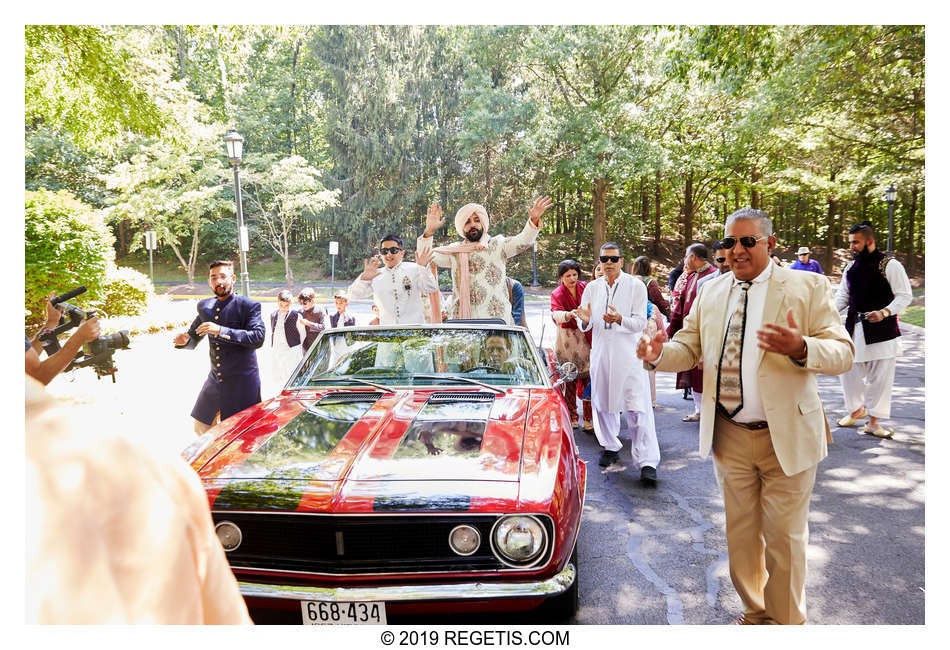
[(67, 244), (126, 292)]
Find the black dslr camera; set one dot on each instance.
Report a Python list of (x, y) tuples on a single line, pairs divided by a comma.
[(96, 353)]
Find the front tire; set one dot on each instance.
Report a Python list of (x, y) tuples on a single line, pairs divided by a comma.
[(560, 609)]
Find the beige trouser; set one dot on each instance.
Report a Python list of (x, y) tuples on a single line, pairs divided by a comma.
[(766, 524)]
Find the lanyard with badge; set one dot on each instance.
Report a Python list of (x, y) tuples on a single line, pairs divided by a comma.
[(610, 299)]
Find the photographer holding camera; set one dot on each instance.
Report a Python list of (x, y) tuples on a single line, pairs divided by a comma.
[(45, 370)]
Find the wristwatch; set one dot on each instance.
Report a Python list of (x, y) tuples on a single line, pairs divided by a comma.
[(886, 312)]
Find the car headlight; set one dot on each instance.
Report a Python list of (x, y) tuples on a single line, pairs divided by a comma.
[(518, 540), (465, 539), (229, 535)]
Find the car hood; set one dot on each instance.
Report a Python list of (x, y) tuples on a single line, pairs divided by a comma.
[(409, 449)]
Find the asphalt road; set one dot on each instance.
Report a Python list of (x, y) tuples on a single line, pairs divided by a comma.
[(646, 556), (658, 556)]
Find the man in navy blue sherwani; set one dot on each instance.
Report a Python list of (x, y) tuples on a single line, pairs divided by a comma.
[(235, 330)]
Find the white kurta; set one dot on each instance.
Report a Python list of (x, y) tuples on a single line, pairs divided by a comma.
[(618, 381), (283, 357), (900, 286), (487, 271), (397, 292)]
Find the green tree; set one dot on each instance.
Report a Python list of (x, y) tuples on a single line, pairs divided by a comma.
[(280, 191)]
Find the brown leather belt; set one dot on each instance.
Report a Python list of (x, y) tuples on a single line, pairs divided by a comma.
[(751, 426)]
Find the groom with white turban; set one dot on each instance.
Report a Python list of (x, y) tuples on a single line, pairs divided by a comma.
[(479, 264)]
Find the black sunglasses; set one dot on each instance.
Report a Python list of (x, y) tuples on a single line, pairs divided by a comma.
[(610, 258), (720, 259), (393, 250), (747, 242), (306, 300)]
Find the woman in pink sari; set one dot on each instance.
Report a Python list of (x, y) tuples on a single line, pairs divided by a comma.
[(572, 344)]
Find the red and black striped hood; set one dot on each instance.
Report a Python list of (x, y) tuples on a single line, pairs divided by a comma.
[(365, 451)]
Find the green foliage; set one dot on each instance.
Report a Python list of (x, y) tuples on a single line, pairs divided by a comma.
[(635, 131), (126, 292), (79, 80), (67, 245)]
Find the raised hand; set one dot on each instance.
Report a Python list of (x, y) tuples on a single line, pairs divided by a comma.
[(434, 220), (583, 313), (424, 257), (782, 340), (370, 268), (541, 204), (52, 314), (649, 348)]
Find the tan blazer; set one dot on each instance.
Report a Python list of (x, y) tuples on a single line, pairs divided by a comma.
[(797, 422)]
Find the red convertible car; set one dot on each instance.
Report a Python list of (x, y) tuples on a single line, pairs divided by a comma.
[(402, 470)]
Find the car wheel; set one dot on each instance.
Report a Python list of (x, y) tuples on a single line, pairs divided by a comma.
[(564, 607)]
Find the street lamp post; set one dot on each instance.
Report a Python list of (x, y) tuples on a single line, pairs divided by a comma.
[(890, 195), (235, 144), (534, 261)]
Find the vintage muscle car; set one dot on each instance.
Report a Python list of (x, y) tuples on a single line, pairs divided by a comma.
[(402, 470)]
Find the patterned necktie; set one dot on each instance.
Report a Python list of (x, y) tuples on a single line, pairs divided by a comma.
[(729, 384)]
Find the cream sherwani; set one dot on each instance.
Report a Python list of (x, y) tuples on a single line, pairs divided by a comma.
[(618, 383), (397, 292), (767, 474), (487, 270)]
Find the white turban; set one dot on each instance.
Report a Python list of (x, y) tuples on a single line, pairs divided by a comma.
[(465, 212)]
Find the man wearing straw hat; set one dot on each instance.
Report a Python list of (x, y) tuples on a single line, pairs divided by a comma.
[(479, 263), (805, 264)]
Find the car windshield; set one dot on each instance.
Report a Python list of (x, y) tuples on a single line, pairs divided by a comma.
[(420, 357)]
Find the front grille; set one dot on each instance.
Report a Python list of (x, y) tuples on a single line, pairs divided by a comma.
[(369, 544)]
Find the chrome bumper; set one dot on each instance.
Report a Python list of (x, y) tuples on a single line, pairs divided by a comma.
[(553, 586)]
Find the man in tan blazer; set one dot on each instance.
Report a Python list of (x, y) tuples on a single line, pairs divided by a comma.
[(763, 333)]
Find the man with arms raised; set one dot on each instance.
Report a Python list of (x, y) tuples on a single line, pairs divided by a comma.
[(479, 264), (614, 306), (235, 330), (398, 286), (764, 333)]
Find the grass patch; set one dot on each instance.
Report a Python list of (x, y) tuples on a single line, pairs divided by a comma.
[(265, 271), (914, 315)]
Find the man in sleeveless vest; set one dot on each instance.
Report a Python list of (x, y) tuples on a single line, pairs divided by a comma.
[(873, 291)]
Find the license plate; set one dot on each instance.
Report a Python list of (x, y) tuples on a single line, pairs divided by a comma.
[(324, 612)]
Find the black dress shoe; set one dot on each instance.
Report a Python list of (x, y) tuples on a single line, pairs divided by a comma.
[(648, 475), (608, 458)]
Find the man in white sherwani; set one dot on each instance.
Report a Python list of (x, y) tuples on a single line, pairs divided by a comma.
[(479, 264), (615, 307), (397, 287)]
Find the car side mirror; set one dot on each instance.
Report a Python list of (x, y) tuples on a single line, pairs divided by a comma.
[(567, 371)]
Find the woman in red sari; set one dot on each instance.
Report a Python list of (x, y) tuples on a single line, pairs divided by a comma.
[(572, 344)]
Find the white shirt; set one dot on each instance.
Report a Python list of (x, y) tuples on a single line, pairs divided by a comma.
[(397, 292), (900, 287), (752, 409)]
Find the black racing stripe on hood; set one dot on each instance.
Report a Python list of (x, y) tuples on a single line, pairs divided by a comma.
[(276, 475)]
